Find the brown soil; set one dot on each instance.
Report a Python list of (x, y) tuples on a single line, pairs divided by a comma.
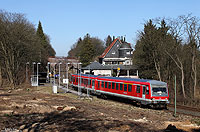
[(37, 109)]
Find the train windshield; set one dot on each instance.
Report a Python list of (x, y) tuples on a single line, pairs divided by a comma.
[(159, 91)]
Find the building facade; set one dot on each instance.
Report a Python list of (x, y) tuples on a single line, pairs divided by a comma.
[(116, 60), (118, 53)]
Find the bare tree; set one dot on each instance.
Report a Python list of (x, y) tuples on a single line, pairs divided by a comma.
[(192, 28), (18, 45), (176, 29)]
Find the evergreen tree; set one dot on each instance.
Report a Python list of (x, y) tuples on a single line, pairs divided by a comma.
[(46, 49), (150, 50), (108, 41), (87, 52)]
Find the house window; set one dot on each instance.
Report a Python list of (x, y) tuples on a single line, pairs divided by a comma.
[(121, 62), (108, 62), (114, 62)]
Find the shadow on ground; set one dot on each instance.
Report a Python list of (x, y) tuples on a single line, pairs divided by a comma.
[(67, 121)]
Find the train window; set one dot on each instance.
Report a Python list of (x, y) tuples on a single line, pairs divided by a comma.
[(109, 85), (129, 88), (86, 81), (138, 89), (125, 87), (106, 84), (147, 90), (144, 89), (113, 85), (102, 84), (93, 82), (89, 82), (117, 86), (121, 86), (98, 84)]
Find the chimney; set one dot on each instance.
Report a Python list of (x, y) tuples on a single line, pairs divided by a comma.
[(113, 38)]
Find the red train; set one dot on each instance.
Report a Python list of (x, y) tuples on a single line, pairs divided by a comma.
[(142, 91)]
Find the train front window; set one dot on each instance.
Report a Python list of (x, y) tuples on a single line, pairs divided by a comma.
[(159, 91)]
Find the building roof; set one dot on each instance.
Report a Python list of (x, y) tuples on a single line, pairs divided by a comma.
[(97, 66), (125, 45), (109, 47)]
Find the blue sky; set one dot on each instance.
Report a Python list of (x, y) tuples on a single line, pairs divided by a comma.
[(67, 20)]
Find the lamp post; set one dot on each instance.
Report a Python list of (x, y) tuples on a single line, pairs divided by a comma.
[(54, 78), (37, 72), (67, 71), (79, 86), (89, 81), (59, 75), (33, 76), (48, 68), (33, 68)]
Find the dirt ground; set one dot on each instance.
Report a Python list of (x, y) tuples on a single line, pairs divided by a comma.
[(33, 109)]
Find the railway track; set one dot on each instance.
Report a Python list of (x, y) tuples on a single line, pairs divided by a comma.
[(185, 110), (179, 109)]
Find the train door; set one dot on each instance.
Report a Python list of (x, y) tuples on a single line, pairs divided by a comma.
[(143, 91), (93, 83)]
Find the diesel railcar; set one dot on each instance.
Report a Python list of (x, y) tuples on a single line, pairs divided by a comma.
[(142, 91)]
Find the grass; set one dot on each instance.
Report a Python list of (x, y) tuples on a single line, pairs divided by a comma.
[(196, 121)]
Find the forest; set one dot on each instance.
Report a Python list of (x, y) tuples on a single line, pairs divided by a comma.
[(170, 47), (20, 45)]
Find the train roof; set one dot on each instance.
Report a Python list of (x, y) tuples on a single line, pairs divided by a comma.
[(153, 82), (87, 75)]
